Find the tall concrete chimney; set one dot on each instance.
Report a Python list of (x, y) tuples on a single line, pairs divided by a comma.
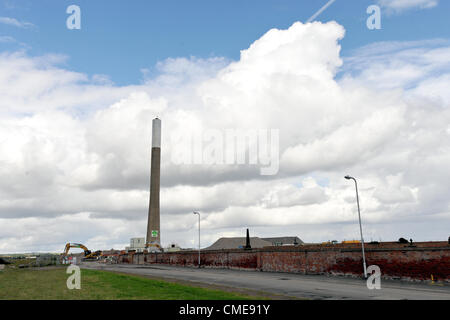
[(153, 226)]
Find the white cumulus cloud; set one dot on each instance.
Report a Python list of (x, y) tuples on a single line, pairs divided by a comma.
[(75, 150)]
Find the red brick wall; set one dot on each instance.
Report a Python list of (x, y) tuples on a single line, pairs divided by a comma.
[(395, 260), (413, 264)]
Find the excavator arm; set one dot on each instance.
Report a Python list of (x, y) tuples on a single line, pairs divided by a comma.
[(87, 252)]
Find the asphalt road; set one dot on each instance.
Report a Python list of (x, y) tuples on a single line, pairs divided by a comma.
[(287, 284)]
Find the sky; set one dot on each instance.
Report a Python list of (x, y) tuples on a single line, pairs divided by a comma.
[(76, 107)]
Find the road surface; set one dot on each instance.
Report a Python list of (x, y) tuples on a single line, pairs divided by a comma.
[(286, 285)]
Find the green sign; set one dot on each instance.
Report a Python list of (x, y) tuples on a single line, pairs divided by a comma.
[(154, 233)]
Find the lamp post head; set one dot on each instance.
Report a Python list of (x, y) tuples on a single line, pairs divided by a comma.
[(348, 177), (195, 212)]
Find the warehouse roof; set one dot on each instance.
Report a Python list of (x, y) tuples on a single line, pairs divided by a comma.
[(279, 241), (238, 242)]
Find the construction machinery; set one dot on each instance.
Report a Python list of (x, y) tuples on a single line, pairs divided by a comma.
[(332, 242), (88, 254), (351, 242)]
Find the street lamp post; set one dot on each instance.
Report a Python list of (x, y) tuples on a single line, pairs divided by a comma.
[(195, 212), (360, 226)]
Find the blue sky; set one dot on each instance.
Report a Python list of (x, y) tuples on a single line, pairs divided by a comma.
[(119, 38)]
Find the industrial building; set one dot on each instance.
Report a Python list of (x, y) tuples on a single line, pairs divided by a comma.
[(255, 242), (284, 241), (137, 244), (238, 243)]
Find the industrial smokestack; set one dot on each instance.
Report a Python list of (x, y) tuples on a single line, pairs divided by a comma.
[(247, 241), (153, 225)]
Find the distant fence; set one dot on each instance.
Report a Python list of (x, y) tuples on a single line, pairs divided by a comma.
[(47, 260)]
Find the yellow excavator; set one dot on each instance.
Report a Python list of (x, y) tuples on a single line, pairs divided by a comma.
[(88, 255)]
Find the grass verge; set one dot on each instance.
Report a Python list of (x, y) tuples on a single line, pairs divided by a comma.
[(50, 284)]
